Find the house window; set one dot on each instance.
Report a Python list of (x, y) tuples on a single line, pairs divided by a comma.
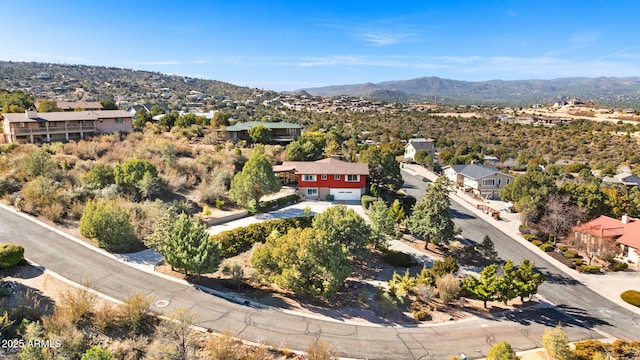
[(508, 181), (312, 192), (309, 178), (488, 182), (119, 120), (323, 177), (499, 182), (336, 177), (353, 178)]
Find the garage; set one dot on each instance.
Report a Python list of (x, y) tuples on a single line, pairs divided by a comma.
[(346, 194)]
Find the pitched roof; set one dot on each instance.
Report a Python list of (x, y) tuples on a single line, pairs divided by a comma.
[(475, 171), (421, 144), (271, 125), (329, 166), (631, 236), (35, 116), (603, 226)]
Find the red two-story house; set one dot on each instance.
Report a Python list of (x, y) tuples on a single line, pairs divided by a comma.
[(318, 179)]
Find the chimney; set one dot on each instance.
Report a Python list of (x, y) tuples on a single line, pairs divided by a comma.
[(31, 114), (625, 219)]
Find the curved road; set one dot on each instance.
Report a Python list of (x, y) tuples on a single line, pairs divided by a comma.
[(111, 277), (570, 296)]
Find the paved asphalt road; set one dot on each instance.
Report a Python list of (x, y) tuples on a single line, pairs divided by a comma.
[(569, 295), (473, 336)]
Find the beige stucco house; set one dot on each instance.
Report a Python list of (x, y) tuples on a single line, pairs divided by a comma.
[(483, 180), (33, 127)]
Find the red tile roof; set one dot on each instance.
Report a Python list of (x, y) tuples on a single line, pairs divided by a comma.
[(329, 166), (603, 226), (631, 236)]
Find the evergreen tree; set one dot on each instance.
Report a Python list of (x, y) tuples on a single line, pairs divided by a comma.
[(488, 249), (430, 219), (382, 224), (506, 283), (254, 181), (485, 287), (527, 280), (384, 169), (184, 243), (306, 261), (556, 344), (346, 227)]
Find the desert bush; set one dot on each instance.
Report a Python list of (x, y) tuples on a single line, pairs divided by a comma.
[(54, 212), (105, 318), (587, 350), (97, 353), (241, 239), (502, 351), (134, 312), (10, 255), (398, 258), (9, 184), (570, 254), (547, 247), (632, 297), (536, 242), (76, 305), (236, 272), (590, 269), (563, 248), (448, 287), (100, 176), (530, 237), (320, 350), (41, 192), (426, 292)]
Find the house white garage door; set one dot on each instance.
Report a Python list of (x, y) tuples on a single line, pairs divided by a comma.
[(346, 194)]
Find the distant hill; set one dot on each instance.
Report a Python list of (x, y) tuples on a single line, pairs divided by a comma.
[(92, 83), (617, 92)]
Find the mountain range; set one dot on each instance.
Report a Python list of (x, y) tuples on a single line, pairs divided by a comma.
[(617, 92)]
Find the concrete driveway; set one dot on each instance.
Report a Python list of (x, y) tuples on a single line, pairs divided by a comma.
[(294, 210)]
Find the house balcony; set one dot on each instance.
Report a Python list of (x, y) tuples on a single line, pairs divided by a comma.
[(54, 130)]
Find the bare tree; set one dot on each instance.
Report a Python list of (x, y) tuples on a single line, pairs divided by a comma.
[(597, 246), (559, 216)]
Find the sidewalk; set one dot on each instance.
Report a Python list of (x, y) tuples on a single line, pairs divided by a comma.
[(608, 285)]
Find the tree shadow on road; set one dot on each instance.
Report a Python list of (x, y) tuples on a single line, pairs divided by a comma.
[(460, 215), (552, 316), (557, 278)]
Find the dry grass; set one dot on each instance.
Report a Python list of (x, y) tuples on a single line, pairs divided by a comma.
[(134, 312)]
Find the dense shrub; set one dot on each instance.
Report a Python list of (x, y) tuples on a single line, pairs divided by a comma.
[(569, 254), (398, 258), (109, 226), (280, 202), (367, 200), (422, 315), (632, 297), (536, 242), (240, 239), (576, 261), (587, 350), (10, 255), (618, 266), (591, 269), (563, 248), (547, 247), (449, 265), (531, 237)]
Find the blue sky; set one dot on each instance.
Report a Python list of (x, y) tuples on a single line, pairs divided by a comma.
[(287, 45)]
